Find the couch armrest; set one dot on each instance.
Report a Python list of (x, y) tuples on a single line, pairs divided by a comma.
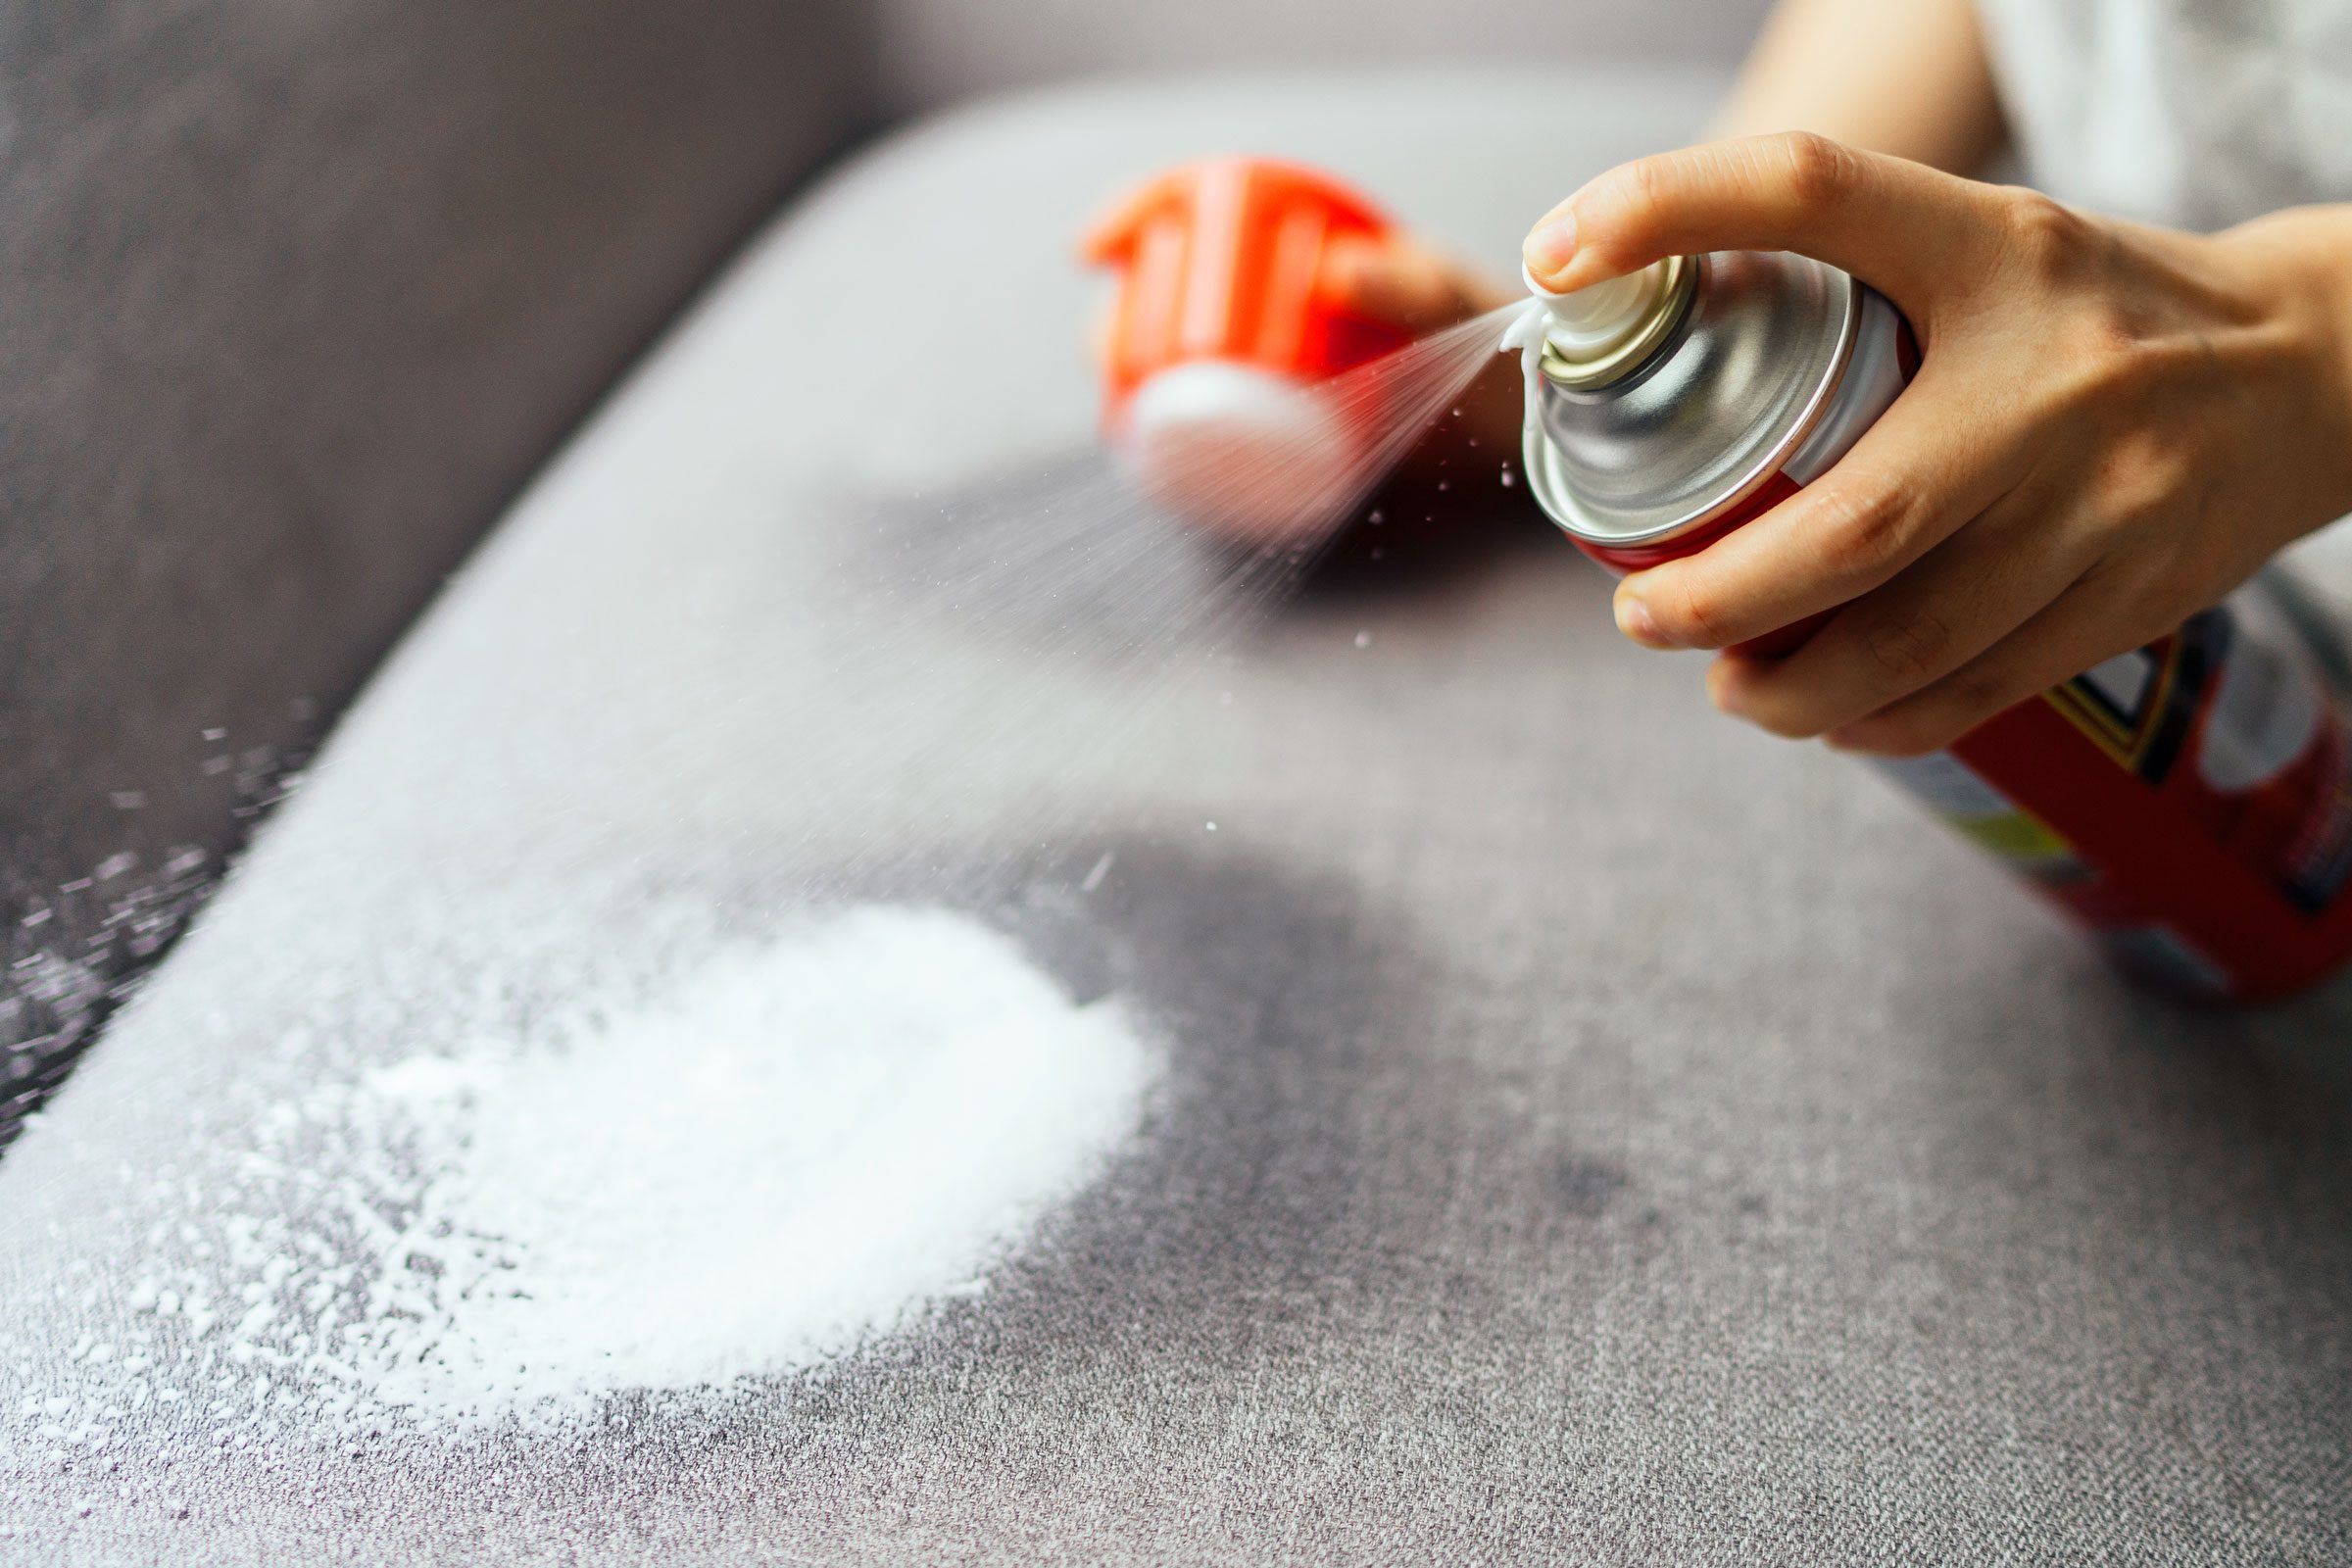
[(297, 298)]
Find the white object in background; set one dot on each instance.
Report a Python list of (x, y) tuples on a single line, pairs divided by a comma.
[(1238, 450)]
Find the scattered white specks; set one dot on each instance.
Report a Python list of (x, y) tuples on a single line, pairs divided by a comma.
[(1364, 639), (475, 1233), (113, 866), (128, 800), (216, 734), (1100, 871)]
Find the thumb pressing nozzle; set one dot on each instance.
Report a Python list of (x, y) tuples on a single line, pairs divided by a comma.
[(1600, 332)]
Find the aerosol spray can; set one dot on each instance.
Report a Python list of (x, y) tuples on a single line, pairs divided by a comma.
[(2189, 802), (1222, 327)]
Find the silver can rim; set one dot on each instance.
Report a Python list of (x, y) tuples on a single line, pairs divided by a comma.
[(1541, 459)]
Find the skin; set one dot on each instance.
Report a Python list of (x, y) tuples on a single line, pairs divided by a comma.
[(2113, 426), (1403, 282), (1828, 66)]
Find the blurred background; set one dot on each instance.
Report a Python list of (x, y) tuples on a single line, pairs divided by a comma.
[(930, 52)]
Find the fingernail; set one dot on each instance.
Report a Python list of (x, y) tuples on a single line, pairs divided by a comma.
[(1636, 621), (1552, 247)]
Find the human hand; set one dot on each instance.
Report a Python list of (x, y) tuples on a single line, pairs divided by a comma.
[(1398, 281), (1393, 280), (2112, 426), (1258, 475)]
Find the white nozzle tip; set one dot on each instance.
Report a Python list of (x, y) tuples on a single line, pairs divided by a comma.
[(1590, 322)]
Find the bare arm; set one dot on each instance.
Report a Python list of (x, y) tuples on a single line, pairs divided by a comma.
[(1909, 78)]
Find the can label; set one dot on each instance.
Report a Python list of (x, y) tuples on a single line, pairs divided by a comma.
[(2189, 801), (2228, 723), (1987, 818)]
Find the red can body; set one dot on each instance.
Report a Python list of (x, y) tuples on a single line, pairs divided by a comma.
[(2188, 803)]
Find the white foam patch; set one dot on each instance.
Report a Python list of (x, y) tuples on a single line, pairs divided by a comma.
[(795, 1145)]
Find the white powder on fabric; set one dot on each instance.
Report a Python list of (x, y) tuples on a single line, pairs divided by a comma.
[(794, 1146)]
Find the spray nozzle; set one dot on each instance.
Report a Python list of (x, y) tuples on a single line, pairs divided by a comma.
[(1596, 334)]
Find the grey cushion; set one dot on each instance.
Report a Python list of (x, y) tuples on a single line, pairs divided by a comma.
[(296, 298), (1594, 1132)]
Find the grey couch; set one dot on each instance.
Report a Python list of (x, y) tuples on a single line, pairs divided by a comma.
[(297, 302), (1593, 1132)]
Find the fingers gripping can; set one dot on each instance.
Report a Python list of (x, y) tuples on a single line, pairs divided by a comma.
[(2189, 802), (1224, 322)]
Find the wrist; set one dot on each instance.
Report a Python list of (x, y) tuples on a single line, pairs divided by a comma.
[(2300, 263)]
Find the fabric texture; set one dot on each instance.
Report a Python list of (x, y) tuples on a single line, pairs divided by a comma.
[(2197, 113), (297, 298), (1593, 1132)]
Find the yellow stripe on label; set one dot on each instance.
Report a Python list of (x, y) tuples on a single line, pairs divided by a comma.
[(2014, 837)]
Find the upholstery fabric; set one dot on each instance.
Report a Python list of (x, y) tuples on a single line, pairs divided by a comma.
[(1595, 1132), (297, 297)]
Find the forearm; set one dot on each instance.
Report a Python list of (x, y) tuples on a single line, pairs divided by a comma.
[(1909, 78)]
